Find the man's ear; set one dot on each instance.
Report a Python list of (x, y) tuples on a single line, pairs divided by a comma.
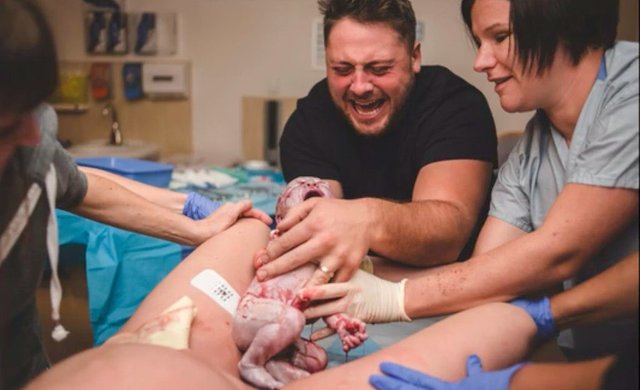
[(416, 58)]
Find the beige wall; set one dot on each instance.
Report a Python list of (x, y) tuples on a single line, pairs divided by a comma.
[(243, 48), (628, 26), (165, 123)]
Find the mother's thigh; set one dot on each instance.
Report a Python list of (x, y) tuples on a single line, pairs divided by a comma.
[(499, 333), (230, 255), (134, 366)]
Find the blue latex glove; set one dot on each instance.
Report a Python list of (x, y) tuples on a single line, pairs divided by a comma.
[(540, 312), (199, 207), (398, 377)]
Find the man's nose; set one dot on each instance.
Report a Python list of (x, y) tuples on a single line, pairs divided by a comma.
[(361, 83)]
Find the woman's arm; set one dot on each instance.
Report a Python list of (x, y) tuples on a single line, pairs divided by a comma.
[(495, 232), (587, 375), (609, 295), (108, 201), (581, 222), (171, 200)]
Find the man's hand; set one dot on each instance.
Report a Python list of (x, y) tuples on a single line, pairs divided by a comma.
[(397, 377), (540, 312), (226, 215), (333, 233), (365, 297)]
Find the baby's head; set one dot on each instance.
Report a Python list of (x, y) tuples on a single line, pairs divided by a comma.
[(299, 190)]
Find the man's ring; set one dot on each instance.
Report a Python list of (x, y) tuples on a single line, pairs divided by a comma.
[(325, 270)]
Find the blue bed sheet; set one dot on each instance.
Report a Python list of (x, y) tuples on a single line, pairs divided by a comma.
[(121, 268)]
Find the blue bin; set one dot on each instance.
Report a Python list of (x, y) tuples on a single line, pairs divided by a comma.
[(149, 172)]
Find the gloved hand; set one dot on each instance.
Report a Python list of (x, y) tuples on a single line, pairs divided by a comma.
[(198, 207), (365, 297), (540, 312), (397, 377)]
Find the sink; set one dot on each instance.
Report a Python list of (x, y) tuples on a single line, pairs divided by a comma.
[(130, 148)]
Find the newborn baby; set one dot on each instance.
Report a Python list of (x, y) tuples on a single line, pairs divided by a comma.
[(269, 318)]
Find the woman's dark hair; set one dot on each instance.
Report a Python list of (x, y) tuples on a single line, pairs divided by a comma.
[(398, 14), (28, 64), (540, 26)]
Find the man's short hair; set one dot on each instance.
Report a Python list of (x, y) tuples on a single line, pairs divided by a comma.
[(398, 14), (539, 27), (28, 65)]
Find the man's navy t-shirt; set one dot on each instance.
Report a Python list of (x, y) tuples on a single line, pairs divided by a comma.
[(445, 118)]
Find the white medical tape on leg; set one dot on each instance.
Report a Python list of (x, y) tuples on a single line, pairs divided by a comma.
[(216, 287)]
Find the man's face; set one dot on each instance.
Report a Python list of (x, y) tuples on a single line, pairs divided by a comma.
[(370, 73), (16, 130)]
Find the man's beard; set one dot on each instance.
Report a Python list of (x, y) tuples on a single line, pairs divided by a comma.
[(394, 117)]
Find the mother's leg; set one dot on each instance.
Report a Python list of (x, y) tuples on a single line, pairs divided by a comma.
[(134, 366), (229, 254), (212, 357), (499, 333)]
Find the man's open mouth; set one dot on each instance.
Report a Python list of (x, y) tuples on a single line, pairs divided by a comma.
[(367, 109)]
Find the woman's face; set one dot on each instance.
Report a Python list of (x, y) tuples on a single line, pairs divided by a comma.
[(518, 91)]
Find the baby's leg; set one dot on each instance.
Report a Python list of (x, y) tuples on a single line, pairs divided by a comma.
[(499, 333), (268, 334), (352, 331), (308, 355)]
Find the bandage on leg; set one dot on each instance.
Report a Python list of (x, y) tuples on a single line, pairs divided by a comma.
[(218, 289), (170, 329)]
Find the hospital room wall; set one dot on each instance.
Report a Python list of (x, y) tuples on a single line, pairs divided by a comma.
[(243, 48)]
